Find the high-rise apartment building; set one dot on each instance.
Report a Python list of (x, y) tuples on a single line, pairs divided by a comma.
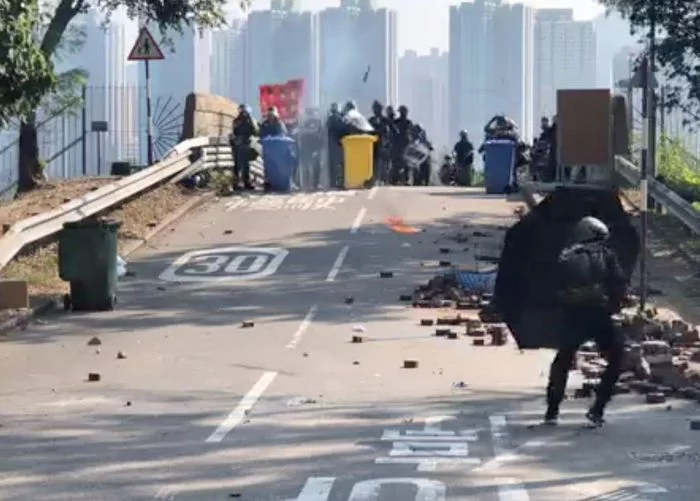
[(358, 54), (227, 56), (490, 68), (423, 85), (281, 44), (565, 57)]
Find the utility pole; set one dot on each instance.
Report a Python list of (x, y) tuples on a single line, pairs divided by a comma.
[(648, 163), (643, 186), (662, 114), (630, 103)]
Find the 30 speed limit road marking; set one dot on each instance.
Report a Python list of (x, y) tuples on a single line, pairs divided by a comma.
[(225, 264)]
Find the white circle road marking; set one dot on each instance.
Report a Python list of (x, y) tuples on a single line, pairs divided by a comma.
[(225, 264)]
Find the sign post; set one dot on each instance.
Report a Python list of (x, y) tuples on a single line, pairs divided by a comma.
[(146, 49)]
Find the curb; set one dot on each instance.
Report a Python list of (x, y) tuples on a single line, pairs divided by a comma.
[(23, 318)]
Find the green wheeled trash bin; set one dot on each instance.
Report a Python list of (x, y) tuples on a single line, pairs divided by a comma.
[(87, 258)]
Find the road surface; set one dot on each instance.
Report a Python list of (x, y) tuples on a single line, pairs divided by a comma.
[(199, 408)]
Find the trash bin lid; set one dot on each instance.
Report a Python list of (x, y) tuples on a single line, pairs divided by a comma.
[(93, 222), (277, 139)]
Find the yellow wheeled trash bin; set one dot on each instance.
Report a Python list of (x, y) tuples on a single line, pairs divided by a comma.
[(358, 151)]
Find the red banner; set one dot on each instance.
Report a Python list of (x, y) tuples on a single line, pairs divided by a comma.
[(287, 97)]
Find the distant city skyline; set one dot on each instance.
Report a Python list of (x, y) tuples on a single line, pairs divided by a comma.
[(421, 23)]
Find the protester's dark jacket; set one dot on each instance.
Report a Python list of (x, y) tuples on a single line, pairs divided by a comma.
[(244, 128), (311, 134), (464, 152), (272, 128), (403, 136), (384, 129), (336, 128)]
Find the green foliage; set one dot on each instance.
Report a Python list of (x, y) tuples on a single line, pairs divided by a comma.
[(26, 74), (34, 35), (222, 182), (679, 170), (678, 42)]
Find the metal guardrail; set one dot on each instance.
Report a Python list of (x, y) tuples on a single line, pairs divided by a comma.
[(49, 223), (218, 154), (667, 198)]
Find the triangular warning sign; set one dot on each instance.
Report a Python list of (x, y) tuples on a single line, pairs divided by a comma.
[(145, 48)]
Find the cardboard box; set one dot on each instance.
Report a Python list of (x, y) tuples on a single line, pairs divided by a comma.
[(583, 127), (14, 294)]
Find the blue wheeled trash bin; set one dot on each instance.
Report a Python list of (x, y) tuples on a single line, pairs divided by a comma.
[(280, 160), (499, 164)]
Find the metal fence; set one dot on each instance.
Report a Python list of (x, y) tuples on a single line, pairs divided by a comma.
[(109, 126)]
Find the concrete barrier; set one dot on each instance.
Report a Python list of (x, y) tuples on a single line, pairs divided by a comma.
[(208, 115)]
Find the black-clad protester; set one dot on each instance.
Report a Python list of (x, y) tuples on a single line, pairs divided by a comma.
[(464, 158), (404, 127), (384, 131), (272, 125), (425, 168), (591, 287), (336, 129), (311, 143), (245, 128)]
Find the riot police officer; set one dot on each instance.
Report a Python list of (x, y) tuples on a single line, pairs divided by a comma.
[(591, 288)]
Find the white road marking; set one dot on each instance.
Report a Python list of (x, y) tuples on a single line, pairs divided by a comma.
[(243, 407), (335, 269), (358, 220), (372, 192), (167, 493), (303, 327), (316, 489), (508, 489), (225, 264), (426, 490)]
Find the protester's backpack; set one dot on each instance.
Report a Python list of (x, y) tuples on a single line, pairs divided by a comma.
[(582, 275)]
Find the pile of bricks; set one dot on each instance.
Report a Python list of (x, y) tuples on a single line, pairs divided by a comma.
[(444, 291), (482, 334), (662, 359)]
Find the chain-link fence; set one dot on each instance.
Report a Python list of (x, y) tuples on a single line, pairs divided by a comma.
[(109, 126)]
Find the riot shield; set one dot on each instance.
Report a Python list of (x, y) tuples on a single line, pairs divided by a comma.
[(524, 293)]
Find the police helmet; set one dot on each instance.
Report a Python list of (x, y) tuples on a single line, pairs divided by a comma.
[(390, 110), (377, 106), (334, 108), (590, 229), (463, 134), (403, 110), (350, 105)]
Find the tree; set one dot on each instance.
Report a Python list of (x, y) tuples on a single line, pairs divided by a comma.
[(166, 14), (26, 73), (678, 43)]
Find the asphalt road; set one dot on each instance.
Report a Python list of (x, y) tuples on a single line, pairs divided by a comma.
[(200, 408)]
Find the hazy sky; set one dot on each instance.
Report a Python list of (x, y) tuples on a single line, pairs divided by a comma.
[(424, 23)]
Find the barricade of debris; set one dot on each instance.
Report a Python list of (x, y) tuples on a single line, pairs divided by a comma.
[(661, 358), (445, 291)]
